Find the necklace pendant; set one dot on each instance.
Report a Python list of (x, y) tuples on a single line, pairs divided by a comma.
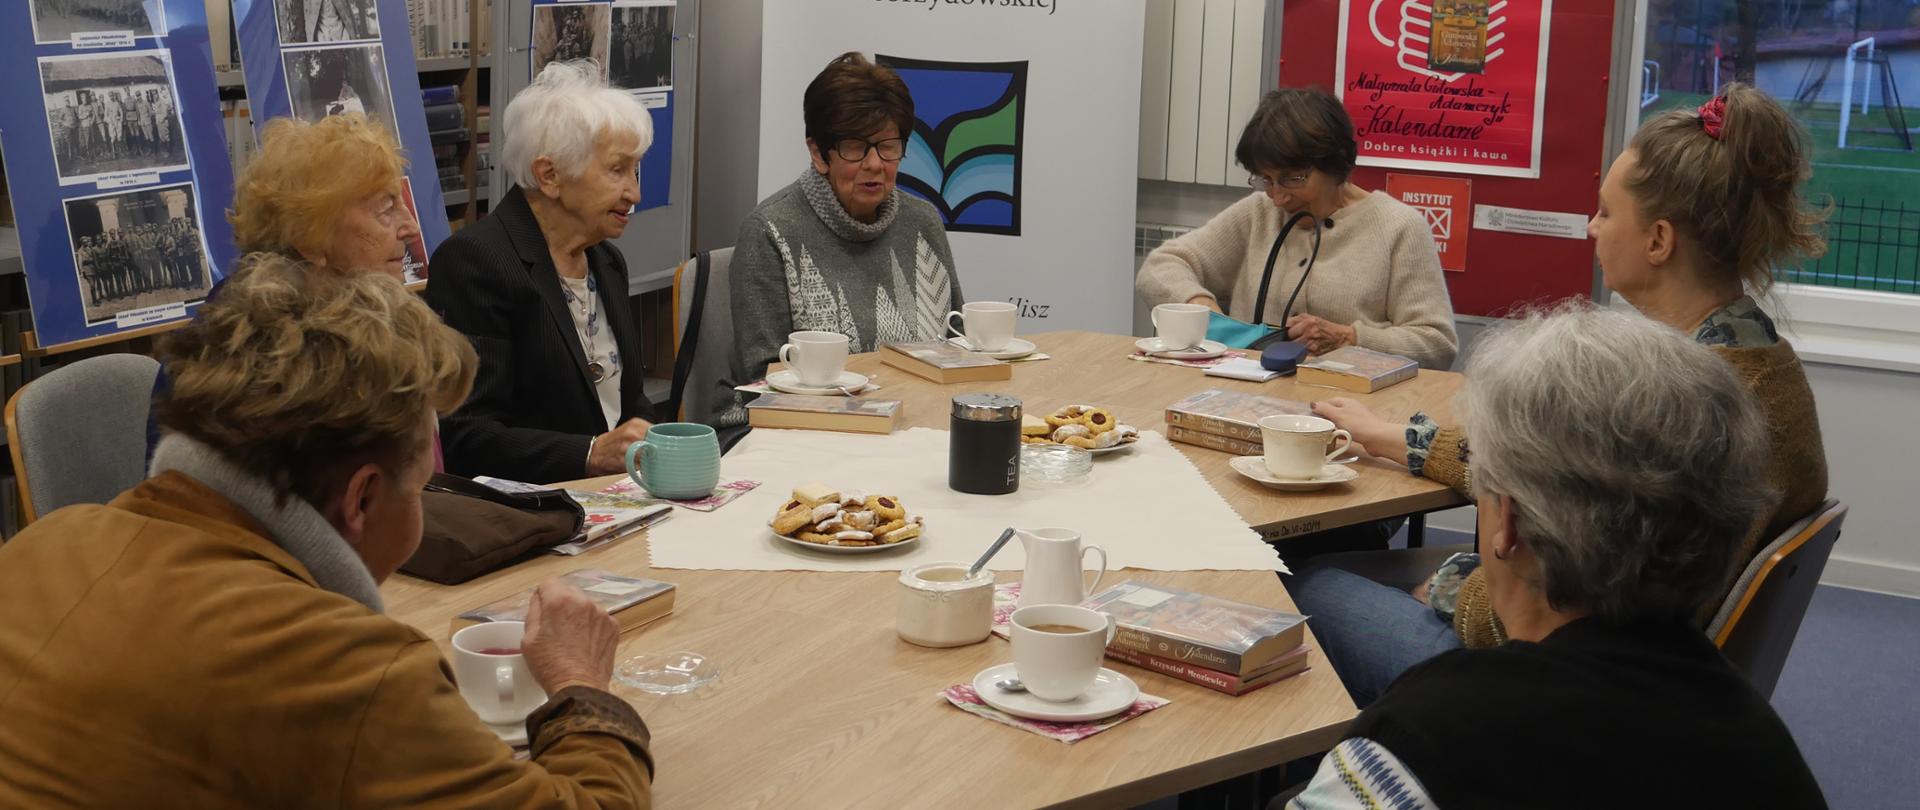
[(597, 371)]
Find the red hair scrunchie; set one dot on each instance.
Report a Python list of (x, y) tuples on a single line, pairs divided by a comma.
[(1713, 116)]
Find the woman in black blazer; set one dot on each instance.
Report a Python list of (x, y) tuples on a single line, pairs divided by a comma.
[(542, 293)]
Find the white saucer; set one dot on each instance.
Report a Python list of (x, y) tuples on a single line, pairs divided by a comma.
[(826, 549), (1015, 348), (1111, 694), (1255, 467), (1208, 349), (787, 381), (1101, 451), (514, 735)]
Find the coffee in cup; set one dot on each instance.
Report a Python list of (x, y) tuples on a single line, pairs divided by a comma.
[(1057, 649), (1180, 326), (493, 675), (989, 324), (816, 358), (1296, 445)]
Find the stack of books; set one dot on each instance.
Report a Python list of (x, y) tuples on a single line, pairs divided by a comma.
[(1228, 421), (1217, 643), (944, 363), (802, 412)]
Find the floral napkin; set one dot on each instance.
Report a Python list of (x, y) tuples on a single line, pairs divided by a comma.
[(1006, 597), (963, 697), (722, 494), (1207, 363)]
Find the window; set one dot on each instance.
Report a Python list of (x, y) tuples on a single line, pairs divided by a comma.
[(1850, 71)]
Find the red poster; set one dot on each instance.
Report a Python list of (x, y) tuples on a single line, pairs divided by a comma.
[(1447, 205), (1445, 85)]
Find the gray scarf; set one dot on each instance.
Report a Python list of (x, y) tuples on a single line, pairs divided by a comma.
[(294, 526), (826, 205)]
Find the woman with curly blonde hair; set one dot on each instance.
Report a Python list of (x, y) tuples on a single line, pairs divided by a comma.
[(216, 636)]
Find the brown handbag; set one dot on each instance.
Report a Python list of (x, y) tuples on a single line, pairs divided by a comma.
[(472, 529)]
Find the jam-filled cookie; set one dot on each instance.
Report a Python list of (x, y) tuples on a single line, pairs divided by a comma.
[(1098, 420), (886, 507)]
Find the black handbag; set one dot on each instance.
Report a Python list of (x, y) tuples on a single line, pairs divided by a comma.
[(471, 529)]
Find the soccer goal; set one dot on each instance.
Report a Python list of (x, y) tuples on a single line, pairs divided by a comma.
[(1868, 71)]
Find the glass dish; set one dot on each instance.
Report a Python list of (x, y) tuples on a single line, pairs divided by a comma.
[(1054, 464), (670, 673)]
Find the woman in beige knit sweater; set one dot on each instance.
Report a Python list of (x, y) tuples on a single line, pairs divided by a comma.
[(1376, 282), (1699, 210)]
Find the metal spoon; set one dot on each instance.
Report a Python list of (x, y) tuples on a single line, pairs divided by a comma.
[(1010, 685), (991, 550)]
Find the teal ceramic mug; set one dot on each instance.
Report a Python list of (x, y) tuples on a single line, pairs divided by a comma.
[(678, 461)]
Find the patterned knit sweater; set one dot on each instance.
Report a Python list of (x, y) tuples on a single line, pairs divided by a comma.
[(1796, 469), (1377, 271), (802, 263)]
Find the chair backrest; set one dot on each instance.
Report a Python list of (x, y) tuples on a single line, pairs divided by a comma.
[(1756, 625), (703, 333), (79, 434)]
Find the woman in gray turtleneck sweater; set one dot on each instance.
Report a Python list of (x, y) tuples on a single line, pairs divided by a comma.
[(840, 250)]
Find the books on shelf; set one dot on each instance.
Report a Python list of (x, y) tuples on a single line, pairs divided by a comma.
[(443, 28), (440, 94), (1282, 668), (443, 117), (631, 601), (1206, 631), (944, 363), (847, 414), (1232, 414), (1362, 371)]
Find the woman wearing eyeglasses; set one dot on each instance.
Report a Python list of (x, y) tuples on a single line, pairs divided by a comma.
[(1376, 281), (840, 250)]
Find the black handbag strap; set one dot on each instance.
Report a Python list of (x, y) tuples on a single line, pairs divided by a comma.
[(689, 336), (1266, 278)]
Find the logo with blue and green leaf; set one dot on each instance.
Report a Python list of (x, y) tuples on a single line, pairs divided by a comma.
[(963, 155)]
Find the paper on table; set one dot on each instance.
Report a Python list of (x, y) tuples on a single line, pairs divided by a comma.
[(1148, 508), (1174, 361)]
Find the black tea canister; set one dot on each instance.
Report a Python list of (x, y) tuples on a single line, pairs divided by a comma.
[(983, 455)]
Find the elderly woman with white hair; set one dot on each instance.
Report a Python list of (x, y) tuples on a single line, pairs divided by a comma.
[(1607, 694), (542, 292)]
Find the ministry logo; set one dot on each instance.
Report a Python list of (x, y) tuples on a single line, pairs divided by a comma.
[(964, 154)]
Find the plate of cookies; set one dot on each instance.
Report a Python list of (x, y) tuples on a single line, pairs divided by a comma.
[(1087, 427), (820, 518)]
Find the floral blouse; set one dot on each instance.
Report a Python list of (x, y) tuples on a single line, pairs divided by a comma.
[(1739, 325)]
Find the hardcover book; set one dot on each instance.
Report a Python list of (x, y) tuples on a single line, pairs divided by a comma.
[(630, 601), (1282, 668), (1362, 371), (1232, 414), (943, 362), (1215, 441), (800, 411), (1206, 631)]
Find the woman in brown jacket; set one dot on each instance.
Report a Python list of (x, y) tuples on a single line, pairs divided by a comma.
[(1698, 211), (214, 637)]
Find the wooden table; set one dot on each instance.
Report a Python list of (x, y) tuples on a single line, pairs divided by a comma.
[(820, 704)]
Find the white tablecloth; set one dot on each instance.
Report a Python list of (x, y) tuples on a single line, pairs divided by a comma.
[(1148, 507)]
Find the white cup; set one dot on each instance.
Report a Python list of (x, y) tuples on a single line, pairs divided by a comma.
[(1180, 325), (989, 324), (817, 358), (1296, 446), (1059, 666), (497, 685)]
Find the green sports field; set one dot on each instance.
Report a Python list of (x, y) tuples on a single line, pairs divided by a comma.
[(1873, 232)]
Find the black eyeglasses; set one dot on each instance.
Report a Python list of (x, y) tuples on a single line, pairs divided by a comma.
[(854, 150), (1261, 182)]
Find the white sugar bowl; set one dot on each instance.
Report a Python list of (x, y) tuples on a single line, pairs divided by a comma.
[(940, 606)]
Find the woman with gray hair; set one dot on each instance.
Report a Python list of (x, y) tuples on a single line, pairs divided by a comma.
[(1597, 571), (540, 289)]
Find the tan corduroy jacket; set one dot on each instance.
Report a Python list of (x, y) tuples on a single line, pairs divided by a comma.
[(1796, 469), (160, 651)]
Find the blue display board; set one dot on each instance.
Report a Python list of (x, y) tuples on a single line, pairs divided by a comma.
[(310, 59), (116, 162), (632, 41)]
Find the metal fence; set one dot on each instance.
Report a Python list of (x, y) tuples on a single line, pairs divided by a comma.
[(1871, 245)]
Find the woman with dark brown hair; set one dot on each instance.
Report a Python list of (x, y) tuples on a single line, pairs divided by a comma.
[(841, 250), (1693, 219)]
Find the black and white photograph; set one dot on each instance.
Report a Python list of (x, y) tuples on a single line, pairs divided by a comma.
[(642, 48), (137, 249), (337, 81), (568, 32), (314, 21), (58, 20), (112, 114)]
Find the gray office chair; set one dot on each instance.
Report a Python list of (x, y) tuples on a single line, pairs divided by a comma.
[(703, 335), (1757, 623), (79, 434)]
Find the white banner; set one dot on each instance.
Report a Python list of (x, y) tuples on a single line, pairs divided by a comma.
[(1038, 186)]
